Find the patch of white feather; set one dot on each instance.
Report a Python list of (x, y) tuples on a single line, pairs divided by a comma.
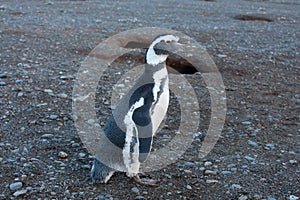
[(131, 162), (158, 77), (160, 105), (154, 59)]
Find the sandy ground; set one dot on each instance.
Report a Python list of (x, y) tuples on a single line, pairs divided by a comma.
[(255, 45)]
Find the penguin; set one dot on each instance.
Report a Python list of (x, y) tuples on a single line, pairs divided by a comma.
[(128, 134)]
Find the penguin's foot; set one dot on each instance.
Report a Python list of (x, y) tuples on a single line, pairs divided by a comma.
[(144, 181)]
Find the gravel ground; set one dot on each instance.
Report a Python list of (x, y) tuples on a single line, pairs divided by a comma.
[(255, 44)]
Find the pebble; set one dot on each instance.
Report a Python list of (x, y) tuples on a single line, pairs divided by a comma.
[(293, 162), (188, 187), (47, 136), (20, 94), (243, 197), (225, 172), (139, 197), (62, 154), (62, 95), (48, 90), (210, 172), (2, 83), (81, 155), (3, 76), (249, 158), (207, 163), (15, 186), (236, 186), (270, 146), (66, 77), (75, 145), (135, 190), (271, 198), (252, 143), (19, 193), (53, 117), (222, 55), (293, 197), (246, 123), (212, 181)]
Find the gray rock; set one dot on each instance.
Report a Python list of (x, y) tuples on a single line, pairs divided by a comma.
[(207, 163), (249, 158), (75, 145), (19, 193), (62, 95), (211, 172), (270, 146), (252, 143), (15, 186), (53, 117), (47, 136), (139, 197), (271, 198), (67, 77), (225, 172), (246, 123), (236, 186), (2, 83), (293, 197), (243, 197), (81, 155), (135, 190), (3, 76)]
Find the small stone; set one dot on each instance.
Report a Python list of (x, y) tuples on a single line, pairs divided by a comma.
[(293, 162), (249, 158), (222, 55), (3, 76), (225, 172), (81, 155), (212, 181), (252, 143), (19, 193), (67, 77), (211, 172), (189, 163), (246, 123), (48, 90), (293, 197), (47, 136), (62, 95), (75, 145), (2, 83), (207, 163), (271, 198), (187, 171), (139, 197), (135, 190), (15, 186), (62, 154), (231, 165), (270, 146), (236, 186), (20, 94), (188, 187), (243, 197), (53, 117)]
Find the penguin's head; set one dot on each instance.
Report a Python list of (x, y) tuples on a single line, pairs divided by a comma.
[(160, 48)]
